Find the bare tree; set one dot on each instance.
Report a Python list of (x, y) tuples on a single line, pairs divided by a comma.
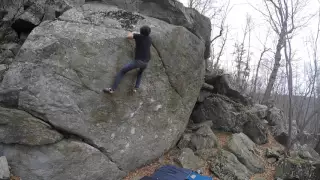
[(281, 15), (222, 47), (309, 117), (216, 12), (288, 57), (264, 50)]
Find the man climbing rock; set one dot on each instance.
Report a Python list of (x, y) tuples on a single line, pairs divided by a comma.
[(142, 57)]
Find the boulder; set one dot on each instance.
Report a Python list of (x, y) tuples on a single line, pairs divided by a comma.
[(223, 84), (226, 166), (297, 168), (3, 69), (279, 127), (185, 140), (257, 131), (206, 154), (188, 160), (277, 124), (173, 12), (67, 159), (273, 152), (4, 169), (203, 95), (260, 110), (19, 127), (246, 152), (305, 152), (275, 116), (228, 115), (13, 47), (61, 69), (203, 138)]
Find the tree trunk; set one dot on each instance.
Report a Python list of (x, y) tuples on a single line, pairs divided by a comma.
[(288, 57), (276, 66)]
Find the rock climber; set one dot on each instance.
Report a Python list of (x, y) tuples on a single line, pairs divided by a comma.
[(142, 57)]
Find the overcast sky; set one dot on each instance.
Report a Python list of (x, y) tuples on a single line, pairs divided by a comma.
[(236, 20)]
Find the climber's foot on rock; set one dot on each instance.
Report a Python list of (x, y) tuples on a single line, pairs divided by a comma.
[(135, 90), (108, 90)]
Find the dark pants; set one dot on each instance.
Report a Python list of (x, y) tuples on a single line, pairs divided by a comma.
[(135, 64)]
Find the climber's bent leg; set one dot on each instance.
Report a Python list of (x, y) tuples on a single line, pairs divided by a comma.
[(128, 67), (139, 76)]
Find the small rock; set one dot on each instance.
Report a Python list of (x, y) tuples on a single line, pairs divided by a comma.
[(184, 141), (206, 153), (204, 138), (188, 160), (226, 166), (203, 95), (4, 168), (14, 47), (272, 160), (274, 153), (260, 110), (3, 68), (6, 53), (245, 150)]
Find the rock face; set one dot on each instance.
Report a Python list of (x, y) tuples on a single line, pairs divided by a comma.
[(222, 85), (226, 166), (245, 150), (27, 129), (19, 17), (173, 12), (65, 160), (228, 115), (58, 75), (279, 125), (260, 110)]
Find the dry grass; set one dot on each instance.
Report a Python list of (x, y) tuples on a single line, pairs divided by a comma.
[(223, 138), (15, 178)]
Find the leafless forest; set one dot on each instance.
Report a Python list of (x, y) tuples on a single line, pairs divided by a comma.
[(277, 74)]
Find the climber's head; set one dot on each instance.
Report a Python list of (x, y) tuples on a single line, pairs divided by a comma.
[(145, 30)]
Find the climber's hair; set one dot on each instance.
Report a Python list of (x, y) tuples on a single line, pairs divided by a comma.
[(145, 30)]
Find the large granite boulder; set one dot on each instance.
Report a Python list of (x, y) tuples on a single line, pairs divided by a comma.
[(173, 12), (58, 76)]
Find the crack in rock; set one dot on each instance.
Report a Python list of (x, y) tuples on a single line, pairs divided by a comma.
[(165, 70), (68, 134)]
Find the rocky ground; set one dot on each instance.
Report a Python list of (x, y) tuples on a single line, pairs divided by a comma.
[(223, 137), (53, 66)]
